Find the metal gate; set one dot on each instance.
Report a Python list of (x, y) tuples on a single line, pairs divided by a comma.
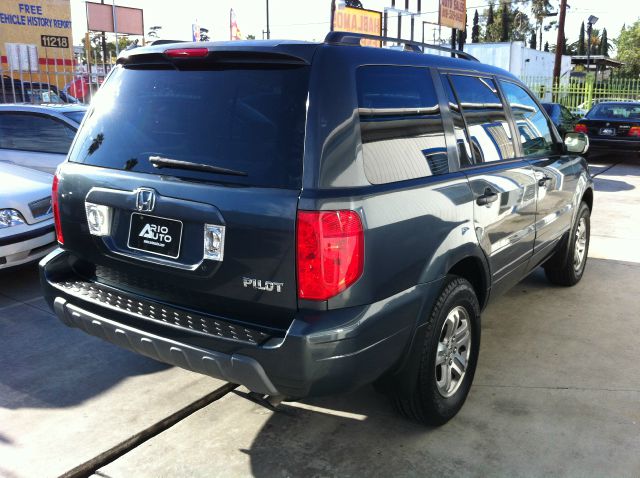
[(40, 74)]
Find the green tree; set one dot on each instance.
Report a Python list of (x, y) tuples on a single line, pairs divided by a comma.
[(628, 45), (251, 37), (532, 42), (604, 43), (488, 32), (475, 31), (546, 46), (505, 27), (510, 23), (581, 42), (204, 34)]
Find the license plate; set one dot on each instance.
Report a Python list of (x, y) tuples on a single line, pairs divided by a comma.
[(155, 235), (607, 131)]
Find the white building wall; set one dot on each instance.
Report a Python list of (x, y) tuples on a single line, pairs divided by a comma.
[(518, 59)]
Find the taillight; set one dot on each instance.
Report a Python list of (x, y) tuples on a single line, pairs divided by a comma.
[(581, 128), (330, 252), (634, 131), (186, 52), (56, 209)]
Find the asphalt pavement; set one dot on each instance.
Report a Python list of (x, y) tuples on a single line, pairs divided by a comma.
[(557, 390)]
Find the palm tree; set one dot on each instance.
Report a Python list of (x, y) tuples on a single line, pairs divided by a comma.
[(540, 9)]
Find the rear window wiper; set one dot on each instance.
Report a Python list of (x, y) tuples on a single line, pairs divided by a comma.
[(160, 162)]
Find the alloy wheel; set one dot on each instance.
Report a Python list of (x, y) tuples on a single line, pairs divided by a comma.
[(454, 348)]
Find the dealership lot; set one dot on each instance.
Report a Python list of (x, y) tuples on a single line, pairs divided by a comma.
[(557, 389)]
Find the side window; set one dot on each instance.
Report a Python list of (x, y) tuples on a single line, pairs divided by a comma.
[(486, 118), (462, 139), (29, 132), (533, 127), (400, 124), (566, 114)]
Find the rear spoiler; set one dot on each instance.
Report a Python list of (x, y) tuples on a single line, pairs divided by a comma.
[(221, 53)]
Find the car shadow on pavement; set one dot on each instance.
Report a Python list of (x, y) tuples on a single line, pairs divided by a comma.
[(611, 185), (46, 364)]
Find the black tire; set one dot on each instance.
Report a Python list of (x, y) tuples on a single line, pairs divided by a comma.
[(425, 403), (562, 268)]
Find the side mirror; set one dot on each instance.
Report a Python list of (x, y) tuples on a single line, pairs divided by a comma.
[(576, 143)]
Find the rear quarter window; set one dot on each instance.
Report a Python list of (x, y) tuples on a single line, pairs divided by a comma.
[(400, 124)]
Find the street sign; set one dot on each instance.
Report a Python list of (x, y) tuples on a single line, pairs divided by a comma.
[(359, 20), (453, 14)]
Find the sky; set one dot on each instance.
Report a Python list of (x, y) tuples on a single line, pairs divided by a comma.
[(309, 19)]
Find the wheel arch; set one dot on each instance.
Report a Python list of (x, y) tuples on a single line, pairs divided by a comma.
[(473, 269), (587, 197)]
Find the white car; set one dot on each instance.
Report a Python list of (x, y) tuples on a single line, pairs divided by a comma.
[(26, 217), (38, 136)]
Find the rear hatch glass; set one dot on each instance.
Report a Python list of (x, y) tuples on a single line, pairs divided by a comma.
[(249, 119)]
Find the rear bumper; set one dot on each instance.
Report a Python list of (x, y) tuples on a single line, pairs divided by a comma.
[(323, 352), (613, 145)]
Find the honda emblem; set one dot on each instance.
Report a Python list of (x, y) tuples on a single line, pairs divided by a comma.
[(145, 200)]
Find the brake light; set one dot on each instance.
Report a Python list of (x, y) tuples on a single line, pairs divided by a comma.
[(330, 252), (634, 131), (56, 209), (581, 128), (186, 52)]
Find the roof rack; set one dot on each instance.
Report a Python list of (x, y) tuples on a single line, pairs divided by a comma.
[(348, 38)]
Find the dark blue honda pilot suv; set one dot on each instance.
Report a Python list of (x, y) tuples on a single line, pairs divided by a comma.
[(306, 218)]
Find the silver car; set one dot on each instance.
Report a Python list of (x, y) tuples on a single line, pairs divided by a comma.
[(38, 136), (26, 218)]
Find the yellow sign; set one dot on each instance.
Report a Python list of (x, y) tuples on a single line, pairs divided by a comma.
[(35, 37), (453, 14), (359, 20)]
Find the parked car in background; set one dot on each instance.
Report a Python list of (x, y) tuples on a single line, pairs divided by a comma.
[(583, 108), (26, 218), (612, 127), (561, 117), (38, 136), (16, 91), (39, 93)]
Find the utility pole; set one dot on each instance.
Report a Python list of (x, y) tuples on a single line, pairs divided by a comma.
[(268, 31), (560, 40), (104, 45)]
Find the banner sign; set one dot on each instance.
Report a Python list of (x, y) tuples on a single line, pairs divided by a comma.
[(359, 20), (35, 36), (128, 20), (453, 14)]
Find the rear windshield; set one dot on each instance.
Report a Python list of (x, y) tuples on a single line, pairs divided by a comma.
[(246, 119), (615, 111)]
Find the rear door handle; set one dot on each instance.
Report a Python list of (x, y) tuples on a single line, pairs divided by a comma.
[(542, 182), (487, 198)]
